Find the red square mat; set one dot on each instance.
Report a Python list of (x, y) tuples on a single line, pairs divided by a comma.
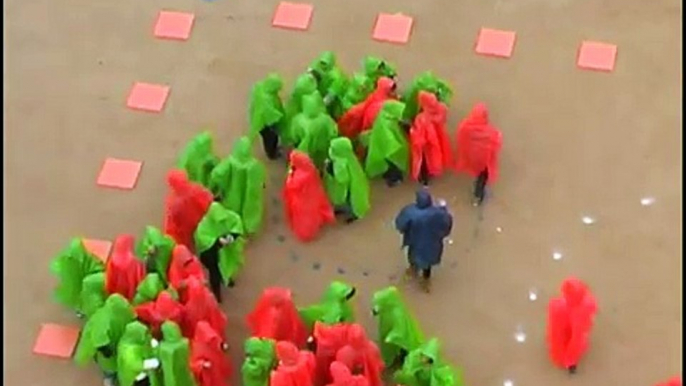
[(174, 25), (597, 56), (393, 28), (100, 248), (493, 42), (147, 97), (293, 16), (56, 341), (120, 174)]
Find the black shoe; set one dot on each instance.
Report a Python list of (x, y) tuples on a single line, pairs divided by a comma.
[(231, 283), (350, 220), (572, 369), (393, 183)]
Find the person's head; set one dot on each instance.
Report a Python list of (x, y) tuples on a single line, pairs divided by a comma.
[(171, 332), (385, 85), (273, 83), (123, 245), (300, 161), (392, 110), (242, 149), (385, 300), (427, 101), (574, 291), (181, 255), (423, 198), (136, 333), (341, 147), (205, 333), (326, 62), (287, 353), (177, 180), (305, 84), (479, 114), (277, 296), (313, 105)]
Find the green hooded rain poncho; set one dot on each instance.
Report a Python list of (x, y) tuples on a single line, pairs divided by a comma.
[(72, 266), (357, 91), (260, 360), (104, 329), (332, 82), (424, 367), (219, 222), (239, 182), (375, 68), (306, 84), (313, 129), (266, 108), (397, 328), (93, 293), (426, 81), (133, 349), (174, 353), (386, 141), (334, 306), (198, 159), (148, 289), (348, 184), (155, 248)]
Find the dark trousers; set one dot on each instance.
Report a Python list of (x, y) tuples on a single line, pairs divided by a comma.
[(393, 175), (210, 259), (424, 173), (480, 186), (143, 382), (426, 273), (270, 142)]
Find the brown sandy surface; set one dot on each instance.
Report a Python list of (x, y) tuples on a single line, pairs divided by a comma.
[(576, 143)]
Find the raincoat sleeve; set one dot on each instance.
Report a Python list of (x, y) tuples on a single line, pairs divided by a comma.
[(158, 247), (148, 289), (217, 222), (231, 259)]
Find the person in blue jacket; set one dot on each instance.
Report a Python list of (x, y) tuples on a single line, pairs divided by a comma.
[(423, 226)]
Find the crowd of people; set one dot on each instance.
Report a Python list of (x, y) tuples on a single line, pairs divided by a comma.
[(151, 309)]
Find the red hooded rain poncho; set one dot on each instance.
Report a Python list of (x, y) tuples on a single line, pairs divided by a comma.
[(184, 265), (361, 116), (208, 362), (570, 319), (185, 206), (296, 368), (307, 206), (276, 317), (342, 376), (329, 339), (429, 140), (124, 271), (478, 144), (162, 309), (676, 381), (362, 356), (199, 304)]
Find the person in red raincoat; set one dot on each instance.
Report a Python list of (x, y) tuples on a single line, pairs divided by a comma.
[(306, 204), (478, 146), (162, 309), (361, 116), (124, 271), (431, 152), (342, 376), (276, 317), (326, 341), (184, 265), (361, 356), (570, 319), (208, 361), (676, 381), (199, 304), (296, 368), (186, 204)]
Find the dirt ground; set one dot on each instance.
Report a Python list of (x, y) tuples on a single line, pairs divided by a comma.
[(576, 143)]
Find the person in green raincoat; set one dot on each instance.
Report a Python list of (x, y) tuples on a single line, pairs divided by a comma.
[(398, 330), (346, 183), (331, 82), (72, 266), (424, 367), (136, 361), (425, 81), (101, 334), (238, 182), (174, 353), (93, 293), (334, 306), (305, 84), (266, 113), (313, 129), (260, 360), (155, 248), (198, 159), (388, 149), (375, 68), (219, 240), (148, 289), (357, 91)]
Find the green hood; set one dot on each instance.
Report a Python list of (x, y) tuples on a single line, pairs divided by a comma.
[(334, 307), (242, 150), (174, 355), (260, 360), (272, 84), (148, 289), (313, 106), (198, 159), (325, 62), (155, 248), (93, 293), (305, 84), (392, 110)]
